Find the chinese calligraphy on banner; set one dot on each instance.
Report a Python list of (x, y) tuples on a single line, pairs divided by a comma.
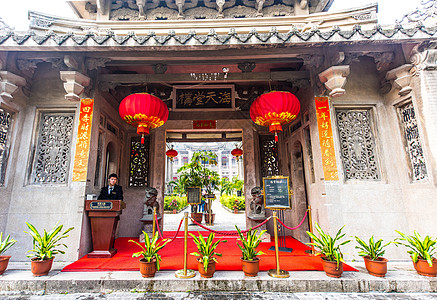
[(83, 140), (326, 141), (204, 124)]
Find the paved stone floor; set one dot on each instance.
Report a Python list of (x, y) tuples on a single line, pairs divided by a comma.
[(227, 296)]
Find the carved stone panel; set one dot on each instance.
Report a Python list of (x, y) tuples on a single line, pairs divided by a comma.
[(407, 117), (52, 158), (269, 156), (5, 132), (139, 163), (357, 142)]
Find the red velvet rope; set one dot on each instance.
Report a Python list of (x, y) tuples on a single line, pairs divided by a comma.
[(159, 229), (229, 233), (293, 228)]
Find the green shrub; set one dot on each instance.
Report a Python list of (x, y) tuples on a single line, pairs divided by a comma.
[(232, 202), (182, 202)]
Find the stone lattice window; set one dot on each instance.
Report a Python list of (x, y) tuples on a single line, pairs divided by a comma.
[(5, 132), (357, 142), (269, 156), (413, 145), (52, 158), (139, 163)]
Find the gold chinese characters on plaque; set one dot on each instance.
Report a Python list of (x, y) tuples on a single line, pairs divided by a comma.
[(83, 140), (326, 141)]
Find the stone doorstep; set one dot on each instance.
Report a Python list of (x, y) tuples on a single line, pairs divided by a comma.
[(399, 279)]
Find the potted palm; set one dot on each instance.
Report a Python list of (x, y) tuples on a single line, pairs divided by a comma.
[(45, 247), (250, 259), (372, 253), (332, 257), (206, 255), (149, 261), (422, 251), (5, 245)]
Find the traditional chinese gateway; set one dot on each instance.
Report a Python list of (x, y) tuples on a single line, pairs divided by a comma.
[(362, 151)]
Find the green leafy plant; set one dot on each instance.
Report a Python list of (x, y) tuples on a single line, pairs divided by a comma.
[(420, 248), (45, 246), (232, 201), (150, 249), (250, 243), (6, 243), (372, 249), (206, 249), (327, 244)]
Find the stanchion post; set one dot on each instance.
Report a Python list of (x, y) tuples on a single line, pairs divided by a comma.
[(154, 220), (310, 219), (277, 273), (183, 274)]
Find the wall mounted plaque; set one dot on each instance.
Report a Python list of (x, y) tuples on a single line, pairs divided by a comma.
[(276, 192), (217, 97)]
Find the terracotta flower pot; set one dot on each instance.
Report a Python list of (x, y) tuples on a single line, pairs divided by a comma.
[(330, 268), (207, 218), (4, 260), (197, 217), (174, 211), (250, 267), (41, 267), (235, 211), (424, 269), (377, 267), (147, 269), (211, 269)]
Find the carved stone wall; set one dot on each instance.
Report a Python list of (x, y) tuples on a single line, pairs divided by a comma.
[(5, 132), (357, 143), (52, 158)]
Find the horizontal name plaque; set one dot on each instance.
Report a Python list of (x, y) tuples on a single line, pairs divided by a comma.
[(104, 205), (218, 97)]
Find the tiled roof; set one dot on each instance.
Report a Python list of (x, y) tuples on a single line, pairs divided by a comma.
[(293, 36)]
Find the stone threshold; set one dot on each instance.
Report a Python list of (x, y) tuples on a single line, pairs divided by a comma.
[(397, 280)]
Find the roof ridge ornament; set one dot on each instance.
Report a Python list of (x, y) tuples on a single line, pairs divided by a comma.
[(426, 13), (5, 27)]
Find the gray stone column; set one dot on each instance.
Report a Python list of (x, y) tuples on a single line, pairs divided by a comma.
[(157, 171), (250, 159)]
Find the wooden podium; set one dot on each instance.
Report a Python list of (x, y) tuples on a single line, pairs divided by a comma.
[(104, 216)]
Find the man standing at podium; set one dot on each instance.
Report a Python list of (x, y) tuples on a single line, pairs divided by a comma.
[(112, 191)]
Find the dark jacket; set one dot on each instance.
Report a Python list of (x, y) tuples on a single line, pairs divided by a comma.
[(117, 193)]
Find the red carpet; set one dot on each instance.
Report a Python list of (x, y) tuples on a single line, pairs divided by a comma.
[(172, 257)]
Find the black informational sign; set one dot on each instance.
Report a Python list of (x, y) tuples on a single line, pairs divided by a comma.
[(276, 192), (193, 195), (202, 98), (101, 205)]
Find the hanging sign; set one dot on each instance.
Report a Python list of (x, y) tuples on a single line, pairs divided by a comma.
[(276, 192), (204, 124), (326, 141), (206, 97), (193, 195), (83, 140)]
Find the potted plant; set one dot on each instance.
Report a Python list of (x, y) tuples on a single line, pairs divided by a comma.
[(332, 257), (149, 261), (174, 205), (206, 255), (250, 259), (422, 251), (45, 247), (235, 206), (372, 254), (5, 245)]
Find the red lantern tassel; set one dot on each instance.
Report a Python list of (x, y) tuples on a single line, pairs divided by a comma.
[(276, 137), (142, 139)]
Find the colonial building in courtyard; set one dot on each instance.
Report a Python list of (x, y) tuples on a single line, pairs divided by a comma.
[(362, 151)]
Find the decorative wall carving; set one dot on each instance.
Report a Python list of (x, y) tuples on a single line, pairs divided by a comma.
[(52, 158), (247, 66), (92, 63), (139, 163), (334, 79), (414, 148), (269, 156), (5, 132), (159, 68), (357, 144)]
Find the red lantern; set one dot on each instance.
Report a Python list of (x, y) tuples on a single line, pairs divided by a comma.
[(275, 109), (172, 153), (237, 152), (143, 111)]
